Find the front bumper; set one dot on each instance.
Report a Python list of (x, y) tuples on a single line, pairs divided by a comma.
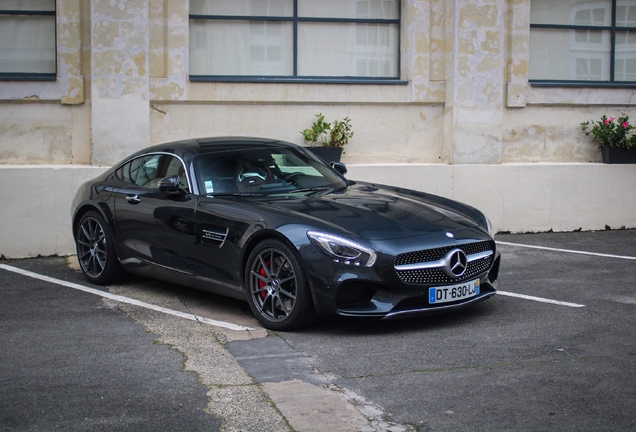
[(380, 293)]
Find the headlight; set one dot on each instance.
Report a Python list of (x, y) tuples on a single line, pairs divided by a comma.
[(343, 250)]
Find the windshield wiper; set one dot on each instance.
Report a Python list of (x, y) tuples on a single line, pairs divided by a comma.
[(234, 194), (255, 194), (311, 189), (243, 194)]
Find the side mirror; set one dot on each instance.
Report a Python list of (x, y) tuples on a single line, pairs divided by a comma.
[(169, 184), (340, 167)]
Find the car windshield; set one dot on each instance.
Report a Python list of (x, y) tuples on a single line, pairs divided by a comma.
[(263, 170)]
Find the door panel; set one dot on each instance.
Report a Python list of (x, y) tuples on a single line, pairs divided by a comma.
[(152, 225), (157, 227)]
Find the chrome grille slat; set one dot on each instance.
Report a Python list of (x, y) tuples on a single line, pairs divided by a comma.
[(436, 275)]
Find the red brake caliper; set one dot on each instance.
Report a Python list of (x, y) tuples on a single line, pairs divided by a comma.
[(262, 284)]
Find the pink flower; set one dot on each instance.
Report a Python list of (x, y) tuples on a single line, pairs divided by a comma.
[(625, 124), (607, 121), (612, 119)]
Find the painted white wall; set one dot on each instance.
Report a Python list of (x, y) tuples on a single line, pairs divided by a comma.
[(36, 217), (36, 212), (525, 197)]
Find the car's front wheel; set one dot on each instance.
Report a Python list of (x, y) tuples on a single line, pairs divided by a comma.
[(96, 250), (277, 288)]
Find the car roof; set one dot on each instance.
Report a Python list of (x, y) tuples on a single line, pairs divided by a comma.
[(189, 148), (213, 144)]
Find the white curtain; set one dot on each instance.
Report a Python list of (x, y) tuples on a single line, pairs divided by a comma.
[(582, 55), (27, 42), (241, 48), (353, 50), (247, 47)]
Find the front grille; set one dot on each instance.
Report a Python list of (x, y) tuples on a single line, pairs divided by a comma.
[(437, 275)]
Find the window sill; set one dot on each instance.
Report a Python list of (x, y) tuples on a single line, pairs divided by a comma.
[(586, 84), (27, 77), (558, 94), (293, 80)]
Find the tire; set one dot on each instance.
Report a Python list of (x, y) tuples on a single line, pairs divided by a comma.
[(277, 288), (96, 250)]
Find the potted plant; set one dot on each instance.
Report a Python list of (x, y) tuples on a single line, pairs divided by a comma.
[(616, 137), (331, 137)]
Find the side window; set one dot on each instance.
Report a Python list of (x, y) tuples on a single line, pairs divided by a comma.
[(134, 169), (215, 175), (147, 171), (175, 167), (123, 173), (128, 172)]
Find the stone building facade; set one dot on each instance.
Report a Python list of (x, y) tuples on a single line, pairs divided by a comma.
[(457, 111)]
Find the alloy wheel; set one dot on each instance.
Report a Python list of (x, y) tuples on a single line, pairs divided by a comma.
[(92, 247), (273, 284)]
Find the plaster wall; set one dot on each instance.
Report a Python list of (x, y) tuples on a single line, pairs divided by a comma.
[(50, 133), (38, 133), (474, 97), (553, 134), (465, 96), (120, 82), (44, 133), (389, 133)]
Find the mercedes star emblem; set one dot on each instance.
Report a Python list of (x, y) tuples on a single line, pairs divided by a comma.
[(456, 263)]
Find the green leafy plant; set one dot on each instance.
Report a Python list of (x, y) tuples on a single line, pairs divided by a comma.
[(341, 133), (336, 134), (315, 134), (611, 132)]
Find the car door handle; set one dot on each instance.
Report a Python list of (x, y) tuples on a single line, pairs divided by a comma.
[(133, 199)]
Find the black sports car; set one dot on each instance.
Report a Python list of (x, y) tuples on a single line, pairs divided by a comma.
[(268, 222)]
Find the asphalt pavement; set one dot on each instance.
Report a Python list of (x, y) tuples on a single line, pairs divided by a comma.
[(555, 350), (70, 361)]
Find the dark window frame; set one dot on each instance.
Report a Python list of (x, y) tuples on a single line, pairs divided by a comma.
[(295, 78), (32, 76), (613, 29)]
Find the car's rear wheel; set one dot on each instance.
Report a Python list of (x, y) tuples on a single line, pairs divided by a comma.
[(95, 250), (277, 288)]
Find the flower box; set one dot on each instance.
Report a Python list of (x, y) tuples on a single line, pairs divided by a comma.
[(616, 137), (615, 155), (328, 154)]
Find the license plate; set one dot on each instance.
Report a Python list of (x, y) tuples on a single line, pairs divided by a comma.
[(453, 293)]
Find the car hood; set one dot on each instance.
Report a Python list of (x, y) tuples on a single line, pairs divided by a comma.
[(377, 212)]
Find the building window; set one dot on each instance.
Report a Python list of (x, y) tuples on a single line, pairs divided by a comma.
[(294, 40), (27, 39), (574, 42)]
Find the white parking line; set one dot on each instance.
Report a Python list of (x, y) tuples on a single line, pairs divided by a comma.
[(545, 300), (123, 299), (568, 251), (540, 299)]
